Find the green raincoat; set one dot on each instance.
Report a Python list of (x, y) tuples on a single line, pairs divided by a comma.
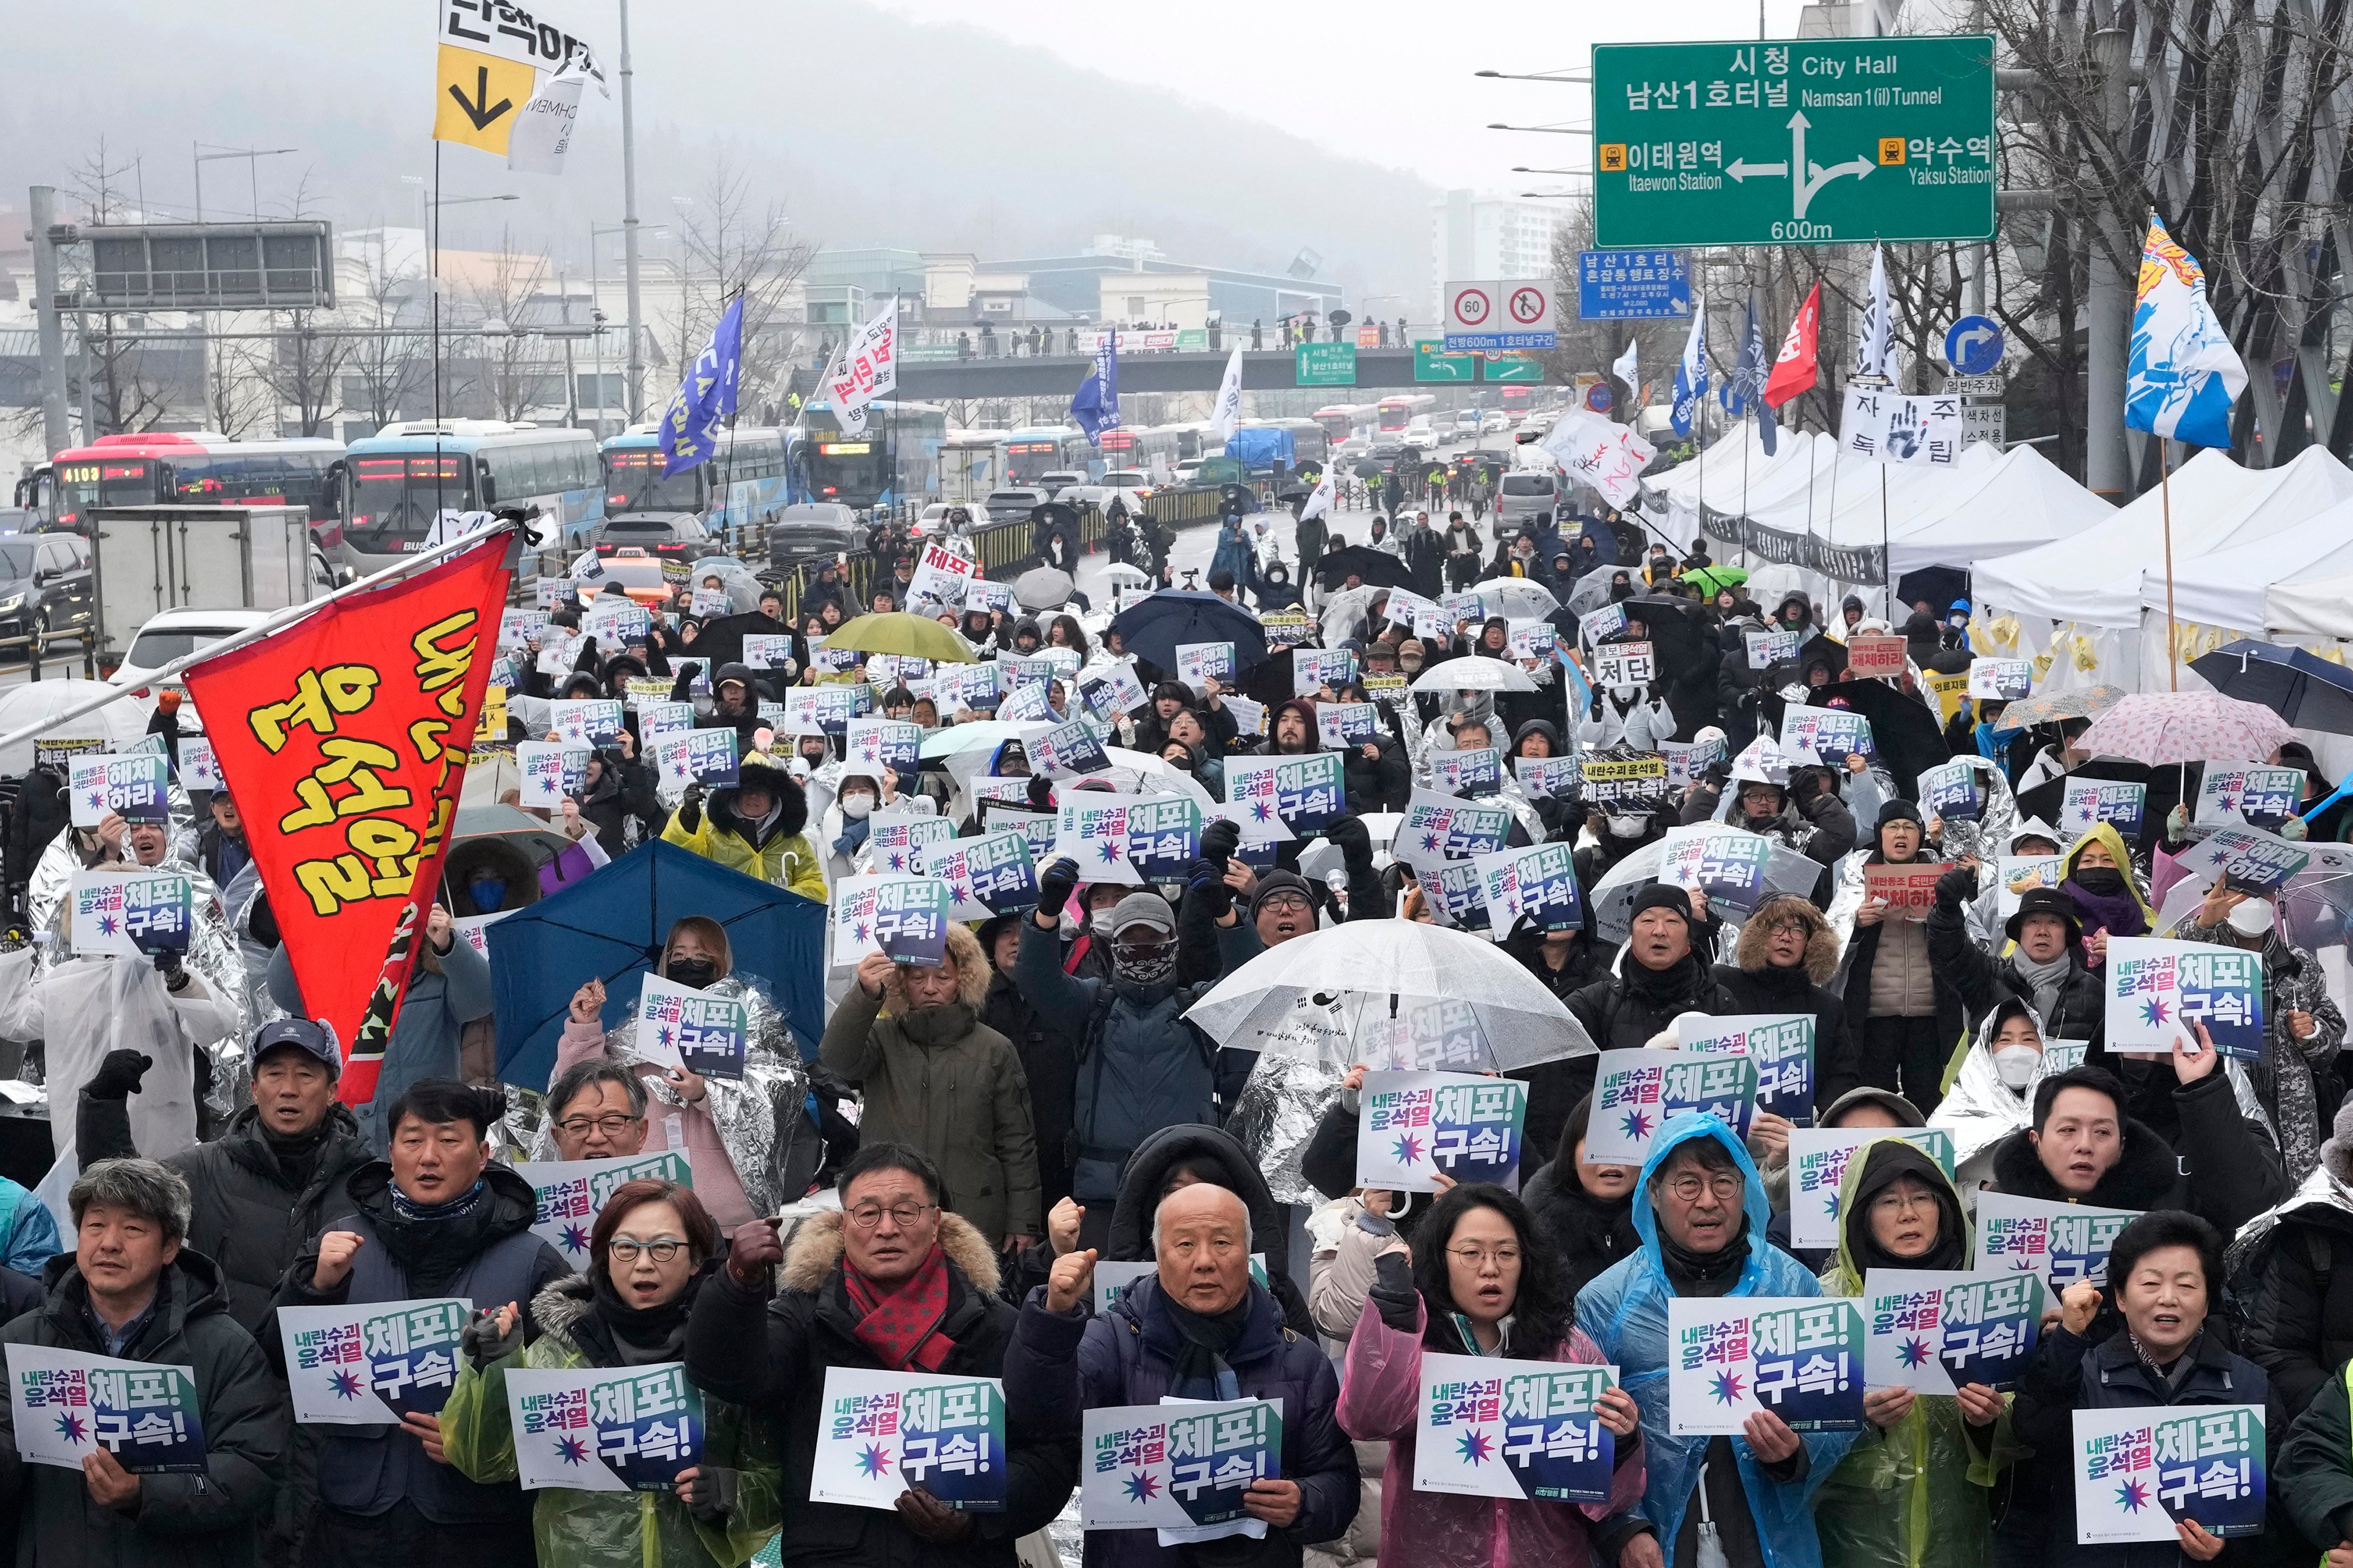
[(611, 1529), (1917, 1495)]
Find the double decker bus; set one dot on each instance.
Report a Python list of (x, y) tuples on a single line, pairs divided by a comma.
[(743, 483), (198, 468), (408, 473)]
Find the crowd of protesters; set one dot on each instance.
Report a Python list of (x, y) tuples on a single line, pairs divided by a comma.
[(930, 1185)]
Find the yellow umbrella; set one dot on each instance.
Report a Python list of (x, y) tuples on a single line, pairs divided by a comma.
[(896, 631)]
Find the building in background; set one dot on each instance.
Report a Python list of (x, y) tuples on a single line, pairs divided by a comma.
[(1476, 236)]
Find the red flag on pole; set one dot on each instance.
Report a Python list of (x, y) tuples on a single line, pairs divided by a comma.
[(1794, 368), (344, 740)]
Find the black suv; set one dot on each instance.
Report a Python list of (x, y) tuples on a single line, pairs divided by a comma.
[(46, 590)]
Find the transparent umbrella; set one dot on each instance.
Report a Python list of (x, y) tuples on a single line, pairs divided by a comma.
[(1394, 994), (1613, 900), (1516, 598), (1473, 674)]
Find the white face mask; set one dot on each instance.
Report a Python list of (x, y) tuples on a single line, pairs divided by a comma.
[(1628, 826), (2015, 1065), (857, 805), (1098, 921)]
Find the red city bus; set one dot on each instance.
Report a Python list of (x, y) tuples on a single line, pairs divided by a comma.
[(161, 467)]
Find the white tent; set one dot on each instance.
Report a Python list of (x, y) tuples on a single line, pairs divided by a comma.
[(1735, 467), (2303, 528), (2017, 501), (2314, 607), (1847, 505)]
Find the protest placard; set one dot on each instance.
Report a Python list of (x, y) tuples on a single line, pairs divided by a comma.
[(2061, 1242), (1340, 725), (67, 1405), (1111, 689), (2246, 859), (1313, 668), (568, 1194), (1636, 1093), (1833, 735), (882, 743), (1624, 663), (1184, 1466), (598, 1429), (2159, 989), (131, 914), (1876, 658), (2140, 1471), (2247, 794), (1909, 889), (1548, 778), (1199, 661), (1932, 1331), (1801, 1357), (1414, 1126), (704, 1032), (1766, 650), (1475, 771), (1780, 1044), (1309, 790), (2087, 802), (1954, 790), (1538, 884), (707, 757), (986, 876), (587, 722), (903, 918), (370, 1363), (134, 788), (1437, 828), (1540, 1418), (1069, 750), (881, 1433), (549, 770), (1818, 1161), (1726, 863), (2002, 679), (893, 836)]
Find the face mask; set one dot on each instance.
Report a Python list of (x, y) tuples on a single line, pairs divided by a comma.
[(487, 894), (693, 973), (1098, 921), (857, 805), (2015, 1065), (2104, 880), (1145, 971), (1627, 826)]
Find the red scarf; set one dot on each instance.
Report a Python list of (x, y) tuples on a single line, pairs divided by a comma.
[(902, 1326)]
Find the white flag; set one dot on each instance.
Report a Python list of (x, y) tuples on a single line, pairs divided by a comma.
[(1319, 501), (1229, 398), (543, 132), (865, 367), (1872, 346), (1624, 369), (1601, 452)]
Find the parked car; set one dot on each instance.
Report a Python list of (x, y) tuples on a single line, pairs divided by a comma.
[(1526, 494), (46, 589), (174, 635), (1054, 483), (1013, 503), (813, 528)]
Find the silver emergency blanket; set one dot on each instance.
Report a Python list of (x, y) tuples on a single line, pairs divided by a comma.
[(1985, 837), (2319, 1190), (1276, 1115), (773, 1089)]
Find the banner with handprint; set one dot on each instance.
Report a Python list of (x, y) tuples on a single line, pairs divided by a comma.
[(1890, 427)]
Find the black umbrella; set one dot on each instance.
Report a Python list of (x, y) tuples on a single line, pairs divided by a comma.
[(722, 641), (1364, 564), (1677, 638), (1153, 627), (1904, 730), (2166, 784), (2307, 691)]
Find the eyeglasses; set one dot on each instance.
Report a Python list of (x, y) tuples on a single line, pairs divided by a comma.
[(1791, 925), (1479, 1257), (1290, 902), (1687, 1187), (866, 1216), (661, 1249), (611, 1126)]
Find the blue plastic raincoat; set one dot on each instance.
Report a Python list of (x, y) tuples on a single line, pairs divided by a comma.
[(1625, 1312)]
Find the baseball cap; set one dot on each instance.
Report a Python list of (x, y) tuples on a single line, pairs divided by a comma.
[(316, 1040), (1145, 909)]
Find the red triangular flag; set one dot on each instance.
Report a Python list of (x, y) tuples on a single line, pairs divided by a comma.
[(344, 739), (1794, 369)]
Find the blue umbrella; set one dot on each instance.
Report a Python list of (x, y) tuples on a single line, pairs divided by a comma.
[(1152, 627), (2307, 691), (610, 926)]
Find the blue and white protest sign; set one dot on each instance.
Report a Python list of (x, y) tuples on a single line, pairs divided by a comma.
[(2002, 679), (1766, 650), (1780, 1044), (594, 1430), (893, 837), (1538, 1418), (1458, 895), (680, 1027), (1111, 689), (2159, 989), (1955, 791), (587, 722), (1833, 735), (1164, 835), (903, 918), (2140, 1471), (199, 769), (1436, 1036), (370, 1364), (959, 687), (1605, 621), (549, 771), (1437, 828), (67, 1404), (1931, 1331), (767, 650), (1801, 1357), (2062, 1242), (1037, 829), (2247, 795), (130, 914), (1092, 829), (1476, 772), (1309, 789), (1727, 864), (1312, 668), (1818, 1161), (568, 1194), (1026, 702), (707, 757), (1632, 285), (1635, 1093), (987, 876), (2247, 860), (658, 720), (1068, 750), (826, 659), (882, 743), (826, 708), (1538, 884), (1413, 1126), (1340, 725), (1200, 662), (883, 1433), (2019, 875), (2087, 802), (1530, 640), (1548, 778), (1182, 1465), (134, 788)]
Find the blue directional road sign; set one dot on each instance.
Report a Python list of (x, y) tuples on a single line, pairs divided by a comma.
[(1974, 346), (1632, 285)]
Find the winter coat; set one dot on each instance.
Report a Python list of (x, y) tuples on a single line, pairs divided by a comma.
[(624, 796), (1592, 1236), (612, 1529), (1980, 1109), (83, 1008), (2312, 1464), (1971, 983), (1821, 828), (1145, 1177), (1641, 724), (1756, 985), (443, 997), (197, 1519), (1342, 1269), (1619, 1011), (2286, 1077), (770, 1357), (1061, 1365), (941, 1081), (782, 856), (28, 1233), (1586, 959), (2235, 1176), (1380, 784), (1916, 1495), (2069, 1373), (1380, 1397), (1050, 1063), (2292, 1270), (247, 1216), (1625, 1314)]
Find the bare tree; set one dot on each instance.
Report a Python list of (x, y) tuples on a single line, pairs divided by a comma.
[(389, 368), (734, 242), (510, 365), (236, 396)]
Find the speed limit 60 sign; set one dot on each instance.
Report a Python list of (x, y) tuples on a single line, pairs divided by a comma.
[(1499, 315)]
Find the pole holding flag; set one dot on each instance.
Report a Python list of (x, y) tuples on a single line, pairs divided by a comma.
[(706, 399), (1229, 398), (2181, 378), (1691, 372), (1875, 344), (1627, 366), (1796, 368)]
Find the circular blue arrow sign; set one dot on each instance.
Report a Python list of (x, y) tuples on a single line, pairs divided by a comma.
[(1974, 346)]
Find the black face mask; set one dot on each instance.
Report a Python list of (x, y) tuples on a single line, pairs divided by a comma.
[(2104, 880), (694, 974)]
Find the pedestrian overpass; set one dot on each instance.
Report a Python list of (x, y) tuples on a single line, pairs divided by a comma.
[(1047, 375)]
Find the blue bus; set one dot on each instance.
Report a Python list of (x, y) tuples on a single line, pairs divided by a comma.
[(408, 473), (824, 464), (743, 483)]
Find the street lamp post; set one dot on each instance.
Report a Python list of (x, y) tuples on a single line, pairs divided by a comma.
[(635, 388), (199, 157)]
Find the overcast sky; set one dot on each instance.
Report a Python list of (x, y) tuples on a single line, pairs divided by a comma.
[(1382, 80)]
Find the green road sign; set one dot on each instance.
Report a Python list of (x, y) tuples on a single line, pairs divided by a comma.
[(1514, 367), (1432, 362), (1192, 340), (1810, 143), (1324, 365)]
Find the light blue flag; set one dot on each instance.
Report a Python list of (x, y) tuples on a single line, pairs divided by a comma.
[(705, 400), (1690, 372), (2184, 375)]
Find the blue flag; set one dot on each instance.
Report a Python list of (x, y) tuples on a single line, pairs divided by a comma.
[(1745, 388), (1095, 405), (1691, 372), (706, 398), (2183, 375)]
